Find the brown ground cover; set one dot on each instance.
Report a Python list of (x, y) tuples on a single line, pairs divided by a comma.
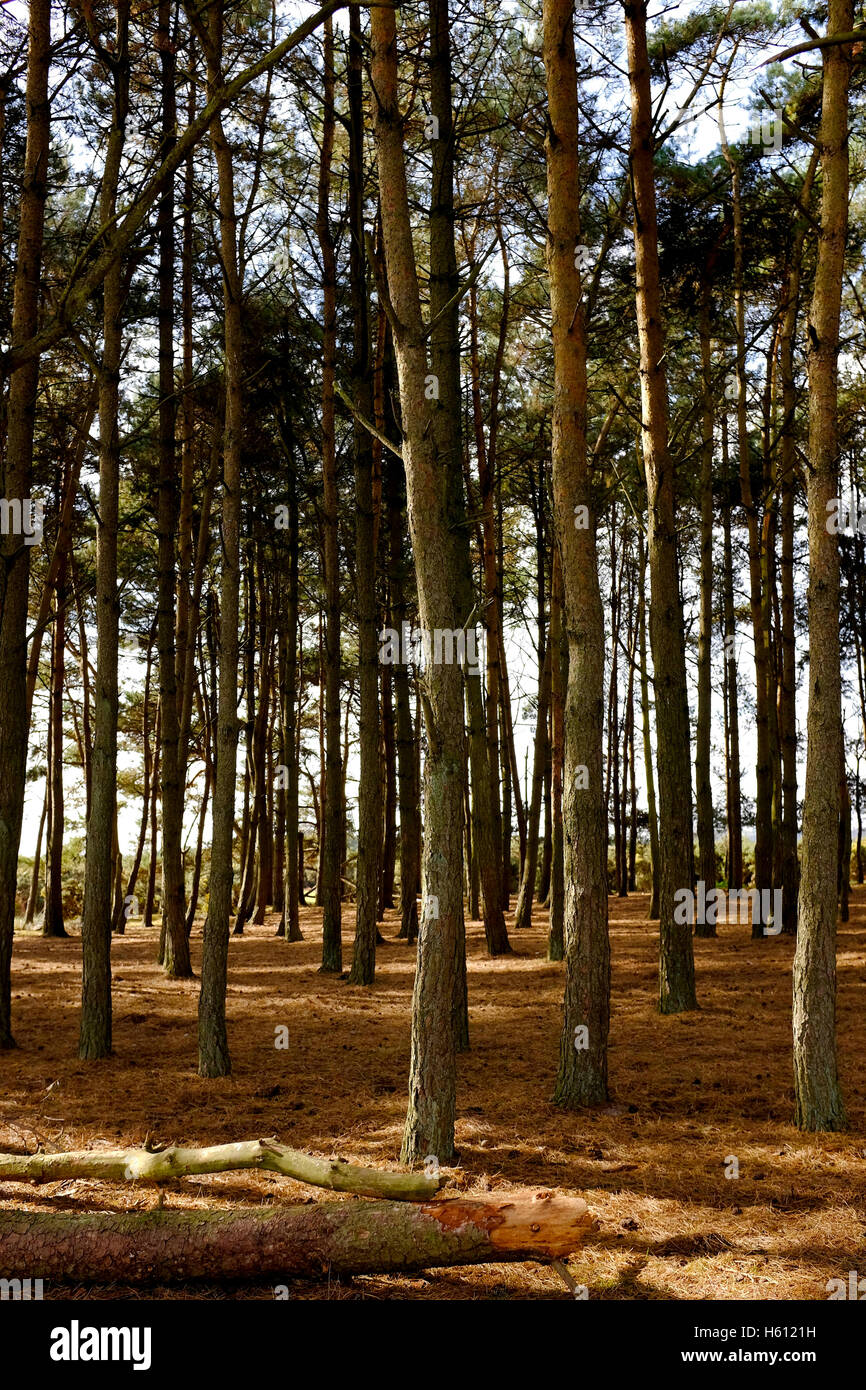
[(687, 1093)]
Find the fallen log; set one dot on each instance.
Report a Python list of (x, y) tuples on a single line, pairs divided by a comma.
[(158, 1165), (172, 1246)]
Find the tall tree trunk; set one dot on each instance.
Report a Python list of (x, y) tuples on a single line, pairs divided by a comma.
[(432, 1068), (732, 707), (293, 891), (150, 894), (703, 785), (370, 786), (676, 963), (332, 810), (763, 768), (582, 1075), (788, 468), (17, 480), (818, 1097), (213, 1048), (408, 790), (96, 918), (447, 407), (175, 955), (558, 678), (52, 920), (526, 893)]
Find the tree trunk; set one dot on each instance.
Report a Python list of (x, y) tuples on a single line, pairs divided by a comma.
[(213, 1048), (526, 893), (558, 679), (818, 1096), (35, 877), (788, 468), (290, 1242), (676, 963), (582, 1075), (294, 887), (432, 1069), (96, 918), (648, 760), (732, 699), (703, 785), (332, 810), (52, 919), (175, 953), (763, 769), (370, 785), (447, 409), (17, 480)]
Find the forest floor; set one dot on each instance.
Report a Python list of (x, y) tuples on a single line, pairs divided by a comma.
[(687, 1093)]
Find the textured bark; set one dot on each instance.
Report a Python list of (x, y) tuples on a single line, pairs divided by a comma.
[(213, 1048), (432, 1074), (174, 940), (332, 800), (788, 470), (96, 918), (582, 1075), (676, 962), (818, 1096), (52, 919), (149, 1165), (293, 890), (407, 782), (558, 677), (763, 768), (733, 791), (339, 1237), (147, 761), (486, 455), (35, 877), (703, 785), (370, 785), (526, 892), (444, 340), (648, 760), (18, 474)]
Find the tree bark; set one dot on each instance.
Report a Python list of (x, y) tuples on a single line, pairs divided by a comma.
[(648, 760), (818, 1097), (676, 961), (432, 1069), (733, 790), (160, 1165), (446, 405), (213, 1049), (332, 810), (17, 481), (582, 1075), (96, 918), (52, 918), (703, 784), (174, 940), (341, 1237), (370, 784)]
